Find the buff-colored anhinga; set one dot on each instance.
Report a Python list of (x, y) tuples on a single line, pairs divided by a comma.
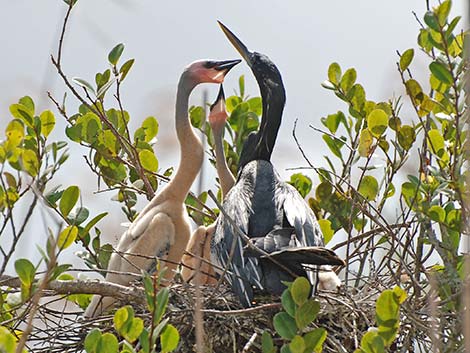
[(162, 228), (271, 212), (199, 243)]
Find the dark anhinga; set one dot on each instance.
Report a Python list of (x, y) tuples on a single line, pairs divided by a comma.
[(271, 212)]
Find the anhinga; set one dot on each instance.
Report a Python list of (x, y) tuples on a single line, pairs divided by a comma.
[(199, 243), (271, 212), (162, 229)]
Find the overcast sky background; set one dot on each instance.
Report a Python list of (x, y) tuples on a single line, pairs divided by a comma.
[(302, 37)]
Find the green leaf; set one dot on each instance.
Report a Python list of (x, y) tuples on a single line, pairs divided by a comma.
[(22, 113), (83, 83), (387, 309), (232, 102), (124, 70), (332, 121), (334, 73), (306, 313), (25, 271), (414, 90), (197, 116), (436, 141), (297, 345), (267, 344), (377, 122), (30, 162), (406, 137), (136, 326), (285, 325), (162, 301), (121, 317), (441, 72), (285, 348), (365, 143), (169, 338), (443, 12), (92, 339), (47, 122), (69, 199), (256, 105), (334, 145), (369, 187), (150, 126), (431, 20), (93, 222), (372, 343), (437, 213), (406, 59), (241, 85), (107, 344), (15, 132), (326, 229), (314, 340), (400, 294), (288, 303), (148, 160), (7, 341), (115, 53), (67, 237), (28, 102), (300, 290), (103, 89), (348, 79), (302, 183)]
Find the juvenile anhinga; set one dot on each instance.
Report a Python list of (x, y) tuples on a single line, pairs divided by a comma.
[(199, 243), (271, 212), (162, 228)]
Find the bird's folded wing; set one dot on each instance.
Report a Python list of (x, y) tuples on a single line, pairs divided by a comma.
[(242, 272), (312, 255), (299, 215)]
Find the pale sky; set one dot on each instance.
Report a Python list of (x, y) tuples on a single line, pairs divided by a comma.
[(302, 37)]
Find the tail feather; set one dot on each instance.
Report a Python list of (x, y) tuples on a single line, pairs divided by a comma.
[(312, 255)]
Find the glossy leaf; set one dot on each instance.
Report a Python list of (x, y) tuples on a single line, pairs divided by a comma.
[(285, 325), (431, 20), (125, 68), (300, 290), (150, 126), (302, 183), (115, 53), (365, 143), (297, 345), (377, 122), (83, 83), (267, 344), (22, 113), (25, 271), (348, 79), (30, 163), (47, 122), (169, 338), (334, 73), (288, 303), (67, 237), (15, 132), (314, 340), (108, 343), (148, 160), (69, 199), (369, 187), (92, 339), (436, 141), (406, 59), (437, 213), (441, 72), (162, 302), (406, 136), (326, 229), (306, 313)]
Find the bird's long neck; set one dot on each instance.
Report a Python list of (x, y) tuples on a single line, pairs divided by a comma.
[(226, 177), (273, 106), (260, 145), (192, 152)]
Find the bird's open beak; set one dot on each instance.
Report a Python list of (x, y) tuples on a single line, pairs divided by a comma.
[(220, 100), (237, 43), (226, 65)]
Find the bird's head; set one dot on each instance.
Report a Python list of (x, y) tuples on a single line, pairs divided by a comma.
[(218, 113), (209, 71), (263, 68)]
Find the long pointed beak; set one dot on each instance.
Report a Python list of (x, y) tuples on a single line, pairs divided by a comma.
[(226, 65), (237, 43), (220, 100)]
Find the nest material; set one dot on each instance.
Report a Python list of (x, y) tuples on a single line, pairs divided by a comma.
[(227, 326)]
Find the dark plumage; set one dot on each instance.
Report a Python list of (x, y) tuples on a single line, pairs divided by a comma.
[(271, 212)]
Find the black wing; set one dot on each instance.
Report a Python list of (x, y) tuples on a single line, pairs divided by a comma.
[(227, 246)]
